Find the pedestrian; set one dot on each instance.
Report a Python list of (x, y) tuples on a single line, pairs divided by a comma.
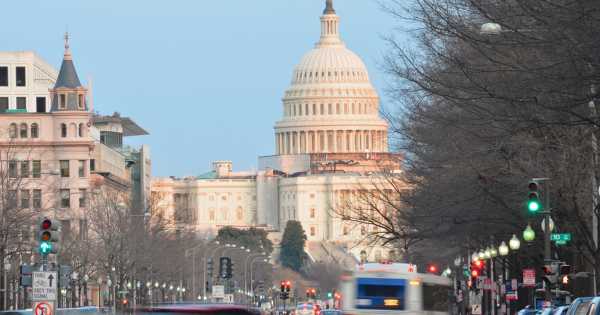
[(455, 310)]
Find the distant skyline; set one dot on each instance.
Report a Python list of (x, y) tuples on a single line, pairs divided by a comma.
[(205, 78)]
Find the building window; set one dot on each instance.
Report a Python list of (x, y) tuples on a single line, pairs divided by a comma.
[(224, 215), (63, 130), (345, 109), (312, 196), (3, 76), (353, 112), (359, 109), (34, 130), (211, 214), (20, 76), (37, 198), (21, 103), (312, 213), (337, 109), (211, 198), (63, 101), (300, 110), (3, 104), (306, 109), (314, 109), (64, 168), (65, 201), (40, 104), (24, 168), (81, 130), (23, 131), (13, 131), (81, 198), (378, 256), (313, 231), (322, 109), (294, 110), (81, 168), (240, 214), (81, 101), (25, 198), (224, 198), (92, 165), (36, 167), (345, 230), (12, 169)]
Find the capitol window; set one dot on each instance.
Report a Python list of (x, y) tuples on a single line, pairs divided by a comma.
[(314, 109), (312, 196), (328, 73), (337, 109), (313, 231), (322, 109), (13, 131), (329, 109), (312, 213), (306, 109), (294, 110), (211, 198), (300, 109), (211, 215), (224, 215), (322, 73), (224, 198), (353, 112), (359, 109)]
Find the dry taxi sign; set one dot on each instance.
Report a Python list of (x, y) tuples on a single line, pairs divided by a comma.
[(44, 285)]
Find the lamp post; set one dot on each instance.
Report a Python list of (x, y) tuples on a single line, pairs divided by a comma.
[(7, 267), (503, 250), (204, 281), (529, 235), (246, 274), (251, 278), (493, 255), (108, 284), (99, 291), (85, 280)]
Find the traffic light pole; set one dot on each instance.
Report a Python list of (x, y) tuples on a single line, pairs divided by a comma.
[(547, 259)]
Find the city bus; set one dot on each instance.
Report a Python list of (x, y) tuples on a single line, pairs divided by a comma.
[(393, 288)]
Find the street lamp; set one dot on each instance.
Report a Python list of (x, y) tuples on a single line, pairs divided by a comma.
[(99, 290), (514, 243), (529, 235), (475, 256), (503, 250), (246, 272), (456, 264), (544, 225), (481, 254)]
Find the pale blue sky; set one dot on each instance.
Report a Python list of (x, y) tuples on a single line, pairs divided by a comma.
[(205, 78)]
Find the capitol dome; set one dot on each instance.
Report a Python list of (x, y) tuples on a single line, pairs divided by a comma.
[(330, 105)]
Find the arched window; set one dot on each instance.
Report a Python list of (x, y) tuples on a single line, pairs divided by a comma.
[(300, 110), (363, 256), (63, 130), (359, 109), (337, 109), (345, 109), (23, 131), (322, 109), (239, 213), (378, 256), (392, 255), (81, 130), (13, 131), (34, 130)]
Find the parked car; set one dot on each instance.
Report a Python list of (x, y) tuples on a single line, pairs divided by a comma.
[(561, 310), (305, 309), (579, 306), (528, 311), (593, 307)]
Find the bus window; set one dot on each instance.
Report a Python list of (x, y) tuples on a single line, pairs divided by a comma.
[(437, 298), (377, 293)]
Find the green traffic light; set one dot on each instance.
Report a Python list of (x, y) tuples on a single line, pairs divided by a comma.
[(329, 294), (534, 206), (45, 247)]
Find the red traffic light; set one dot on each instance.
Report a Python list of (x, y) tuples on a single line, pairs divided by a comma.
[(474, 273), (307, 291), (289, 283), (314, 291), (46, 224), (478, 263), (533, 186), (432, 268), (124, 301)]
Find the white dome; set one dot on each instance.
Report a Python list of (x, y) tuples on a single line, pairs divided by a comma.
[(335, 64)]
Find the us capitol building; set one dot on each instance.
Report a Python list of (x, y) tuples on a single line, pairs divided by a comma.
[(329, 139)]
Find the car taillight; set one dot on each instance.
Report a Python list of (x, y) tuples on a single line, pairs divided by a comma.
[(312, 312), (297, 312)]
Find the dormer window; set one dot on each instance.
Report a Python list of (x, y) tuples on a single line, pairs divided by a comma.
[(81, 103), (63, 101)]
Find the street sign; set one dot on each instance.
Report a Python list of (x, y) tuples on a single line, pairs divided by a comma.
[(487, 284), (503, 308), (465, 267), (513, 284), (104, 293), (511, 295), (43, 308), (476, 309), (561, 237), (561, 242), (503, 288), (121, 292), (44, 285), (546, 304), (218, 291), (228, 298), (529, 277), (476, 299), (493, 295), (467, 273)]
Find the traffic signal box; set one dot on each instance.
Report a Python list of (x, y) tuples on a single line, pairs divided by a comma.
[(476, 272), (209, 267), (533, 202), (565, 270), (124, 304), (48, 236), (550, 273), (209, 285), (261, 286), (225, 267), (285, 290)]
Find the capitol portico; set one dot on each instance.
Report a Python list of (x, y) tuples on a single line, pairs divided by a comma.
[(330, 140)]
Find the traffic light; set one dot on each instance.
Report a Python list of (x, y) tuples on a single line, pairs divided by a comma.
[(432, 269), (565, 270), (318, 292), (230, 269), (476, 268), (209, 267), (313, 292), (533, 203), (48, 236), (329, 294), (209, 285), (224, 266), (261, 286), (282, 286), (124, 304), (231, 287), (288, 285), (308, 294), (235, 286), (549, 273), (26, 271)]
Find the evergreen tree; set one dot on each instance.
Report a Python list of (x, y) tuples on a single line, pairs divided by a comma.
[(254, 239), (292, 245)]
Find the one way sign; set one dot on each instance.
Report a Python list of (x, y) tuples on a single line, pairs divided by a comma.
[(44, 285)]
